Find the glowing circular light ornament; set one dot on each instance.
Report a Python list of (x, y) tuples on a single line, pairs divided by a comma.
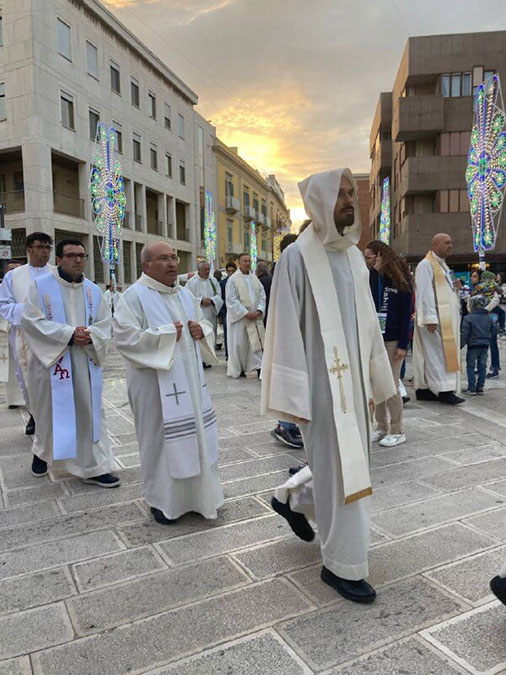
[(486, 168), (210, 230), (253, 245), (107, 194), (384, 233)]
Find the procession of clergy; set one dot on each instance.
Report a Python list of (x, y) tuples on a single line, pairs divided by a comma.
[(321, 359)]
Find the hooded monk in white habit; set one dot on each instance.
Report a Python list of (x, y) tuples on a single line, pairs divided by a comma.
[(13, 294), (160, 331), (67, 324), (13, 394), (208, 292), (245, 300), (436, 345), (325, 366)]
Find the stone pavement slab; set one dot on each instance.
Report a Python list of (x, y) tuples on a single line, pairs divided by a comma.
[(90, 584)]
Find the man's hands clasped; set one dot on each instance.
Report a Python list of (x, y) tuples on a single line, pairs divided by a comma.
[(193, 326), (81, 336)]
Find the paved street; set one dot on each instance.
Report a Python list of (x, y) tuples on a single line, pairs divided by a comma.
[(90, 585)]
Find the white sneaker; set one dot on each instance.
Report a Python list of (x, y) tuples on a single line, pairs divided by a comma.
[(392, 439), (378, 435)]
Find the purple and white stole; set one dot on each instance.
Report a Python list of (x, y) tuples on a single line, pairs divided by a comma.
[(62, 391)]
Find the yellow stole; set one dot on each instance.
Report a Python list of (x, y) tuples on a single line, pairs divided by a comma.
[(444, 297)]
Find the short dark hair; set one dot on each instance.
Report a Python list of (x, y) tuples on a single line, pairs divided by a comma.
[(60, 246), (231, 263), (287, 240), (38, 236), (241, 255)]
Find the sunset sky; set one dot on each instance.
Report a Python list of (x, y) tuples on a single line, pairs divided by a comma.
[(292, 83)]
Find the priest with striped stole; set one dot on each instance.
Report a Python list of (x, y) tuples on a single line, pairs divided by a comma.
[(325, 367), (161, 332), (436, 345), (67, 324)]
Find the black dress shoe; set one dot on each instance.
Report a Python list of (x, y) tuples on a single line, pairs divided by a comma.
[(30, 427), (206, 365), (160, 518), (39, 467), (356, 591), (498, 588), (106, 480), (450, 398), (425, 395), (13, 407), (295, 469), (297, 521)]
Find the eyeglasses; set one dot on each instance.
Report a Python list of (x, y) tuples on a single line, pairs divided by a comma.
[(42, 247), (76, 256), (165, 258)]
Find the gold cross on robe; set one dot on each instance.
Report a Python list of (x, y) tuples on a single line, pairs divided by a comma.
[(339, 367)]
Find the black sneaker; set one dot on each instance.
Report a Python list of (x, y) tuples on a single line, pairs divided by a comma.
[(297, 521), (479, 391), (30, 427), (160, 518), (356, 591), (493, 373), (106, 480), (284, 436), (296, 432), (471, 390), (39, 467)]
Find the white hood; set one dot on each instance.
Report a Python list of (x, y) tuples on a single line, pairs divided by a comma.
[(319, 194)]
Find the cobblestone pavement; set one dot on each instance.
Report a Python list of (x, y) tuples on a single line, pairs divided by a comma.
[(89, 584)]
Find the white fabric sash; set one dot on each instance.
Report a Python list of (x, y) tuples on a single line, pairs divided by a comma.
[(62, 390), (354, 466), (4, 350), (179, 414), (255, 329)]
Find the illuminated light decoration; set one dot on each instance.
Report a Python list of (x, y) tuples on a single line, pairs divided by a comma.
[(486, 168), (253, 245), (276, 242), (384, 233), (210, 230), (107, 194)]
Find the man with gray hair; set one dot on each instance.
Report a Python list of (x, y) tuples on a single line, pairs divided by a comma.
[(208, 293), (162, 334)]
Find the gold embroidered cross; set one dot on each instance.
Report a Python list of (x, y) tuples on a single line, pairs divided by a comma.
[(339, 367)]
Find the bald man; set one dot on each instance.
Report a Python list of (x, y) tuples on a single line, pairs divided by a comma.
[(436, 348), (208, 292), (163, 336)]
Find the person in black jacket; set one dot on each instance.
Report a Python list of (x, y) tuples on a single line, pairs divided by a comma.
[(394, 307), (476, 332), (262, 272)]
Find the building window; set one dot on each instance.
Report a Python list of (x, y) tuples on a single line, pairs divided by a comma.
[(229, 186), (166, 115), (2, 100), (94, 119), (246, 238), (456, 85), (67, 110), (246, 199), (455, 91), (467, 89), (182, 173), (92, 60), (64, 39), (137, 147), (134, 93), (119, 136), (153, 157), (127, 261), (152, 105), (168, 165), (180, 126), (445, 85), (230, 234), (115, 78)]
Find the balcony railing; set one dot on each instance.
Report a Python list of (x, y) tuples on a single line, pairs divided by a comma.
[(183, 233), (14, 202), (249, 213), (69, 205), (232, 204)]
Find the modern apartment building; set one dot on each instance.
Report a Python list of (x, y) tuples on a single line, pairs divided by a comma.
[(420, 139), (246, 200), (65, 65)]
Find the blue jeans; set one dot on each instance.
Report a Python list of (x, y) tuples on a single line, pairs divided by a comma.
[(476, 359)]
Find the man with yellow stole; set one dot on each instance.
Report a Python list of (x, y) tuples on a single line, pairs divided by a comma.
[(436, 349)]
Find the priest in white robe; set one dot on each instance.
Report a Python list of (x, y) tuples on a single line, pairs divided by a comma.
[(161, 332), (436, 345), (325, 367), (67, 325), (13, 395), (245, 299), (208, 293), (13, 294)]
